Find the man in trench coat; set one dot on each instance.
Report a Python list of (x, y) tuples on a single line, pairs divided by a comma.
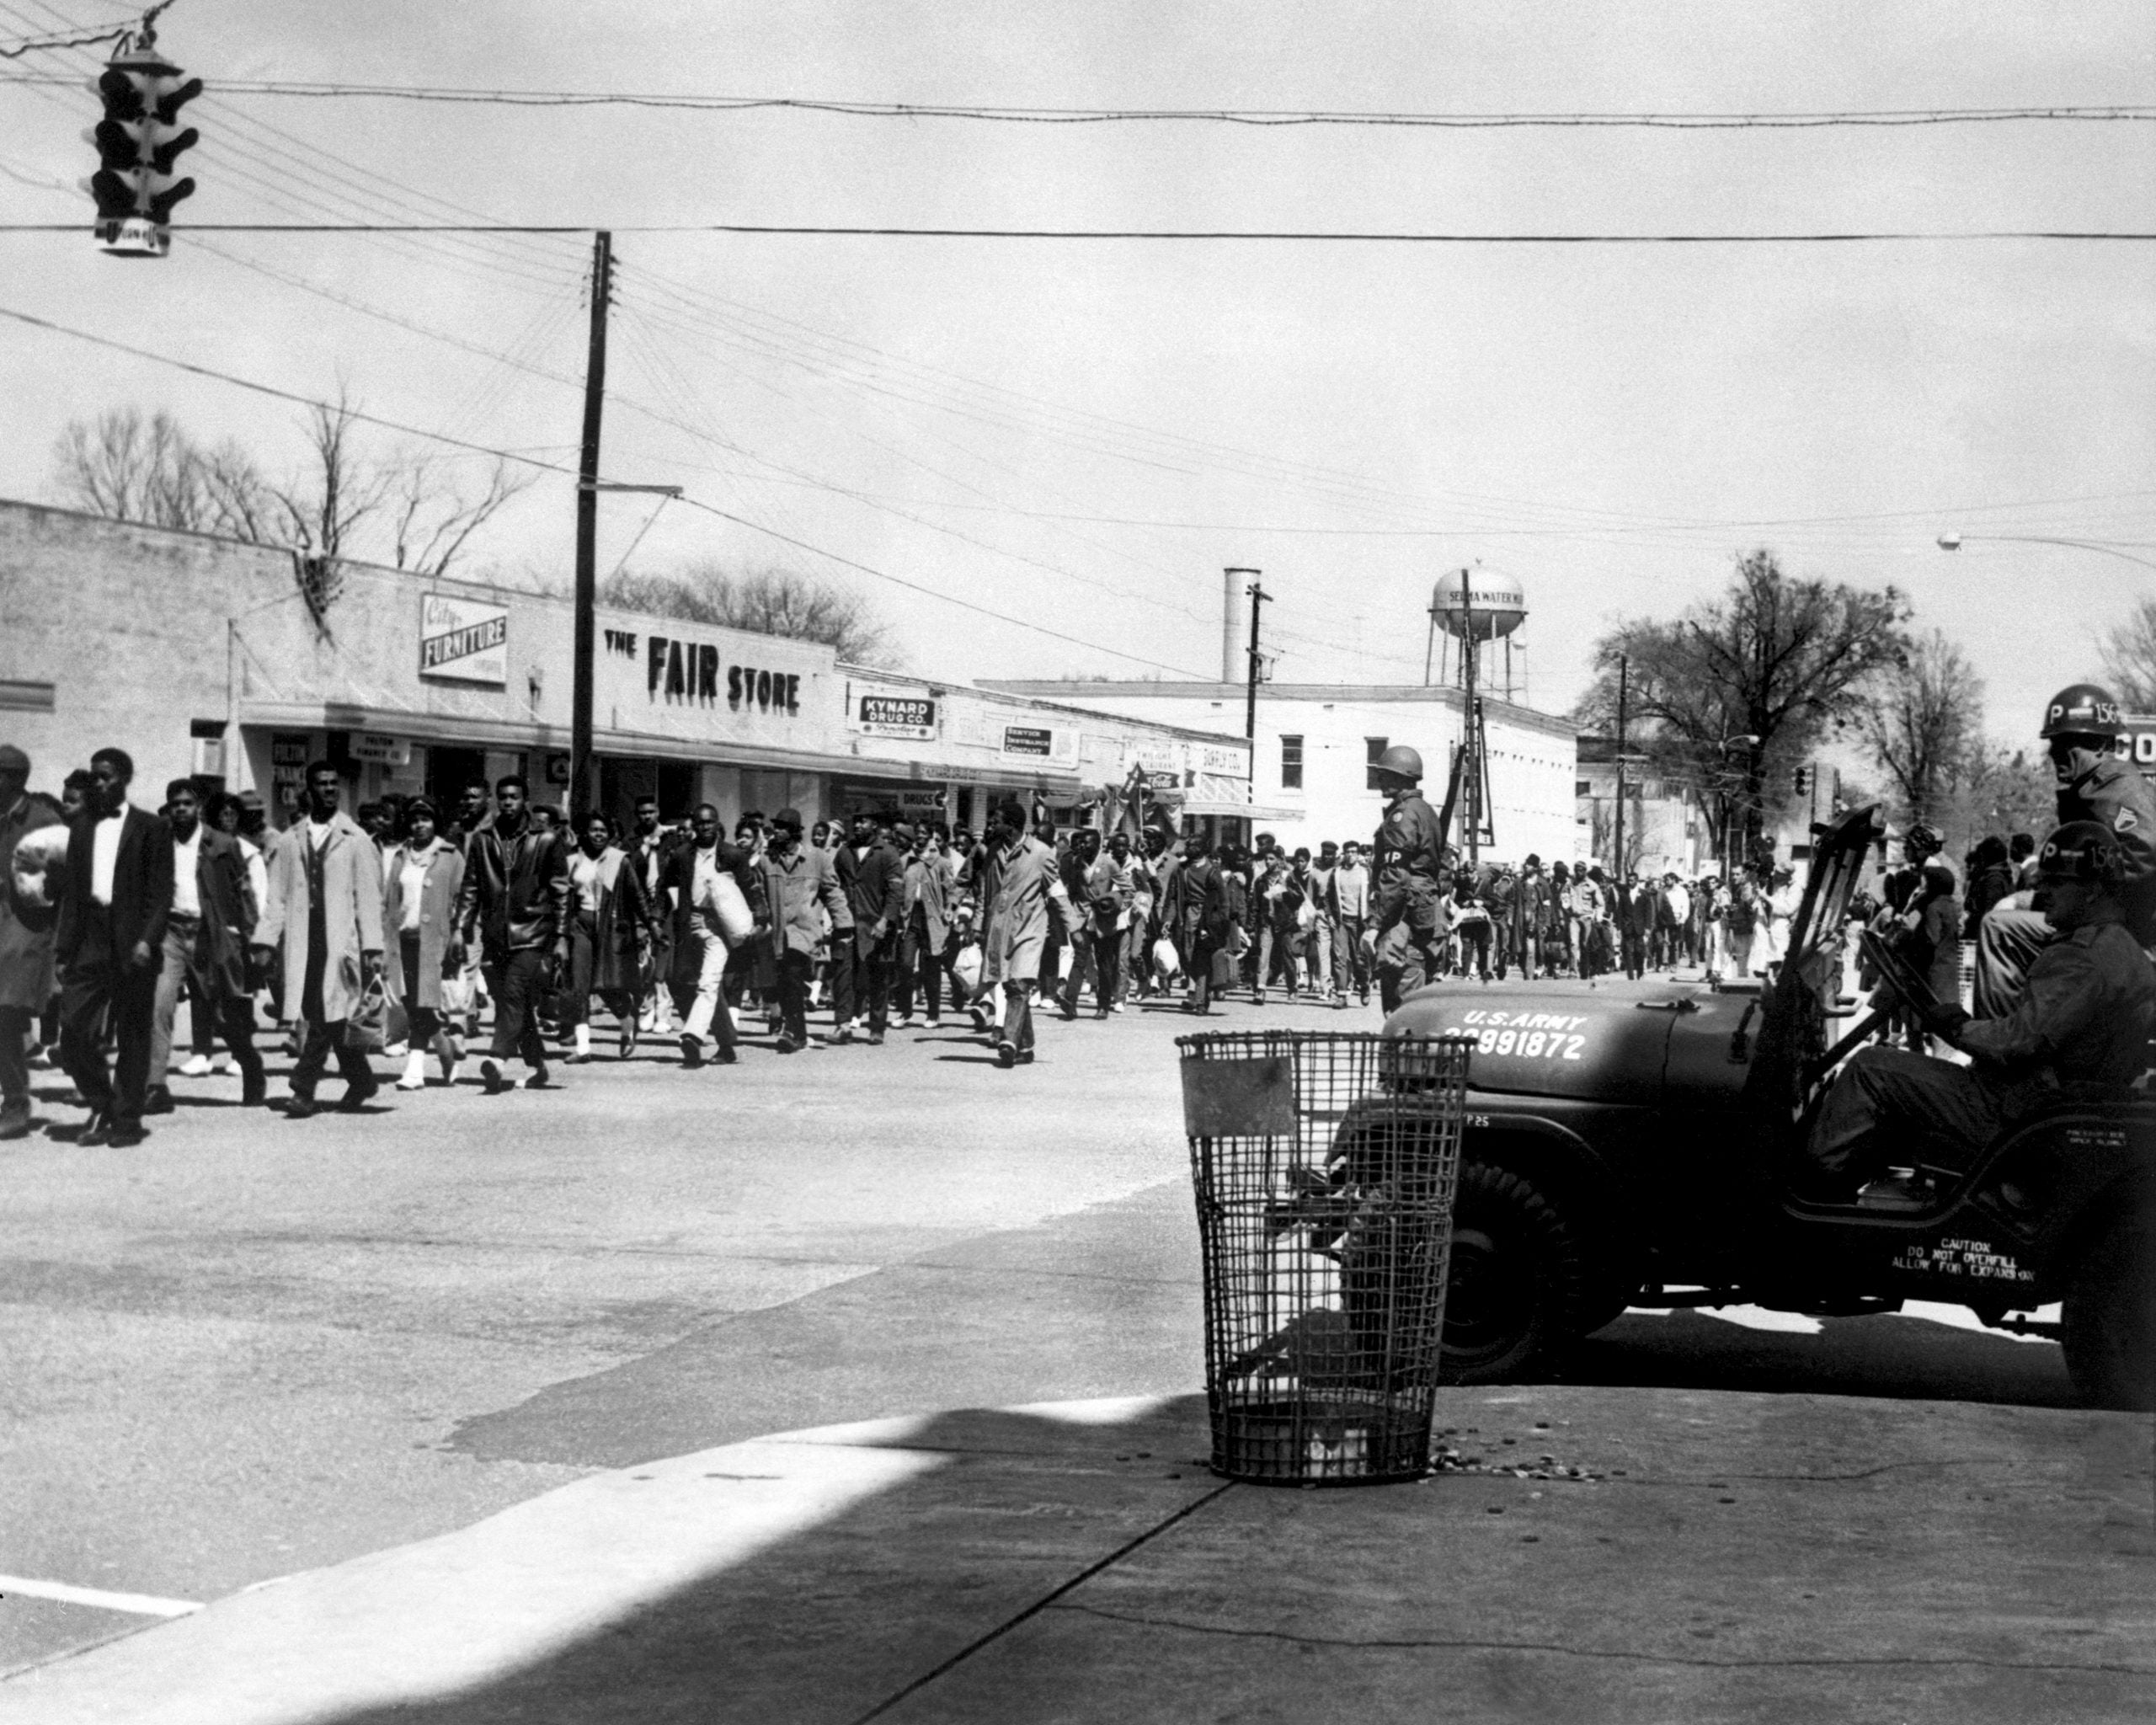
[(324, 911)]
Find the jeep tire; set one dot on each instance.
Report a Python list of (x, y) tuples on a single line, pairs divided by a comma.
[(2110, 1332), (1515, 1277)]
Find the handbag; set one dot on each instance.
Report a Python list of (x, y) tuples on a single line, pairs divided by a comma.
[(457, 995), (727, 910), (366, 1029), (966, 967)]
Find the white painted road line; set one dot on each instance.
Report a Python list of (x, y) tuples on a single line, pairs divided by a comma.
[(419, 1624), (140, 1605)]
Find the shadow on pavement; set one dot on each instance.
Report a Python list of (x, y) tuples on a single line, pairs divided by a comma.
[(1006, 1565), (1908, 1357)]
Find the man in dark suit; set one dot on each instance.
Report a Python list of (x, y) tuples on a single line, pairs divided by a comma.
[(213, 918), (111, 932), (650, 850), (876, 893)]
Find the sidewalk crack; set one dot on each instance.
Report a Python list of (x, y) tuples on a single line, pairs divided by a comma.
[(1416, 1644), (1041, 1604)]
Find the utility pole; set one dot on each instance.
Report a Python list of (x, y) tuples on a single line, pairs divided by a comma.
[(1258, 596), (1228, 579), (1623, 672), (583, 793)]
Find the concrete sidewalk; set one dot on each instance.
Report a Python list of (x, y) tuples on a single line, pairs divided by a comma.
[(1739, 1556)]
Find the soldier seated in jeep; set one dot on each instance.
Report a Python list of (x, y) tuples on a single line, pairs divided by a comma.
[(2079, 1031)]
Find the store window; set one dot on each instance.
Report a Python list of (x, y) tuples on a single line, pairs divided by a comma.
[(1291, 763), (1372, 747)]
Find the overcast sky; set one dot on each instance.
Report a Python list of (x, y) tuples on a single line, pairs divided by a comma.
[(1083, 433)]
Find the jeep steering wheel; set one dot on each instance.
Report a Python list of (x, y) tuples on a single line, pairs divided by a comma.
[(1902, 976)]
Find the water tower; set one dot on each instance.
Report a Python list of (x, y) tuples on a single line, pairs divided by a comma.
[(1477, 610)]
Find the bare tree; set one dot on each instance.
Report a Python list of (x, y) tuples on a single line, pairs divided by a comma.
[(1739, 688), (2129, 656), (326, 504), (434, 518), (767, 601), (134, 467), (1921, 724), (2002, 791), (138, 467)]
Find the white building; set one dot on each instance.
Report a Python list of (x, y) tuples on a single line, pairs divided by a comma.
[(203, 657), (1315, 743)]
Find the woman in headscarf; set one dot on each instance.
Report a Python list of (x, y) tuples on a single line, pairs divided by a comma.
[(420, 883)]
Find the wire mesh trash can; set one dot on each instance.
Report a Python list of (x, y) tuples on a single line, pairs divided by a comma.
[(1324, 1166)]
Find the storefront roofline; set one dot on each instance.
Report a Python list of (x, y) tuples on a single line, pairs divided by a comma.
[(635, 745), (1012, 693), (1242, 811), (1140, 688)]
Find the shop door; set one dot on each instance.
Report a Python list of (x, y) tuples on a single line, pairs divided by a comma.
[(448, 771)]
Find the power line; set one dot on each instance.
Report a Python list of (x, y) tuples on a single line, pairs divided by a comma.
[(1254, 117), (32, 44), (1319, 236), (271, 390)]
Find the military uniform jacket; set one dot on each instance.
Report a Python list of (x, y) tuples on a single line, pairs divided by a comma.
[(2083, 1016), (2116, 794), (1407, 859)]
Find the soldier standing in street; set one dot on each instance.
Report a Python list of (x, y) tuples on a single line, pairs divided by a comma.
[(1409, 874), (2081, 730)]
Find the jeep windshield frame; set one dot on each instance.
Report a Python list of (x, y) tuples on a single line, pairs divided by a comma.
[(1807, 986)]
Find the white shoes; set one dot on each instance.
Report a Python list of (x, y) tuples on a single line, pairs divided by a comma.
[(415, 1070), (197, 1066)]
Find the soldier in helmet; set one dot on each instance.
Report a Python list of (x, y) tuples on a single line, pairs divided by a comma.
[(2079, 1026), (2081, 728), (1409, 877)]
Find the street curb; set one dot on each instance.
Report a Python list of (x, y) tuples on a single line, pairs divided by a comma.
[(427, 1620)]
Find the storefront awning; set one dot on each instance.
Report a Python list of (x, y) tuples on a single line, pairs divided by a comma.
[(1237, 811)]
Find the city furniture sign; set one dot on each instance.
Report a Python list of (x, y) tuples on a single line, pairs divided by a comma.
[(463, 640)]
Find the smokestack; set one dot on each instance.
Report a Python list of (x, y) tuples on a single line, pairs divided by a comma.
[(1232, 668)]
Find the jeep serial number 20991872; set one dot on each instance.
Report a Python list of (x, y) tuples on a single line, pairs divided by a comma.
[(1639, 1138)]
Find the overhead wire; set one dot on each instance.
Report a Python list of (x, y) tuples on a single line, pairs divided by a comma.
[(412, 430), (1028, 114), (1313, 236), (296, 170), (1605, 525), (905, 454)]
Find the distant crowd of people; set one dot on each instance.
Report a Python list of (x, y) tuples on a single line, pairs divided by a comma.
[(1577, 921), (390, 930)]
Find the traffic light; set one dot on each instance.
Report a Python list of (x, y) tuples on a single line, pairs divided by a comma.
[(1804, 781), (137, 143)]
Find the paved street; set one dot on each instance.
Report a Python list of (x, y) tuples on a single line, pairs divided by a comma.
[(252, 1348)]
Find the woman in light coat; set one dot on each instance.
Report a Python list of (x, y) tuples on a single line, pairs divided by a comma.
[(419, 902)]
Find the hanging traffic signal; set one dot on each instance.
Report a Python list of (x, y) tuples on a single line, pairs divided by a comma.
[(1803, 780), (138, 143)]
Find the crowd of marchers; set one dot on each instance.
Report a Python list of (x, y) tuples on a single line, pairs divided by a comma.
[(394, 930)]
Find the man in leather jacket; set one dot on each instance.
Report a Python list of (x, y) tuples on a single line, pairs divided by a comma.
[(516, 898)]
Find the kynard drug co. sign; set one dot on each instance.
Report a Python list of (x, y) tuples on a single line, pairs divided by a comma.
[(885, 711), (463, 641)]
